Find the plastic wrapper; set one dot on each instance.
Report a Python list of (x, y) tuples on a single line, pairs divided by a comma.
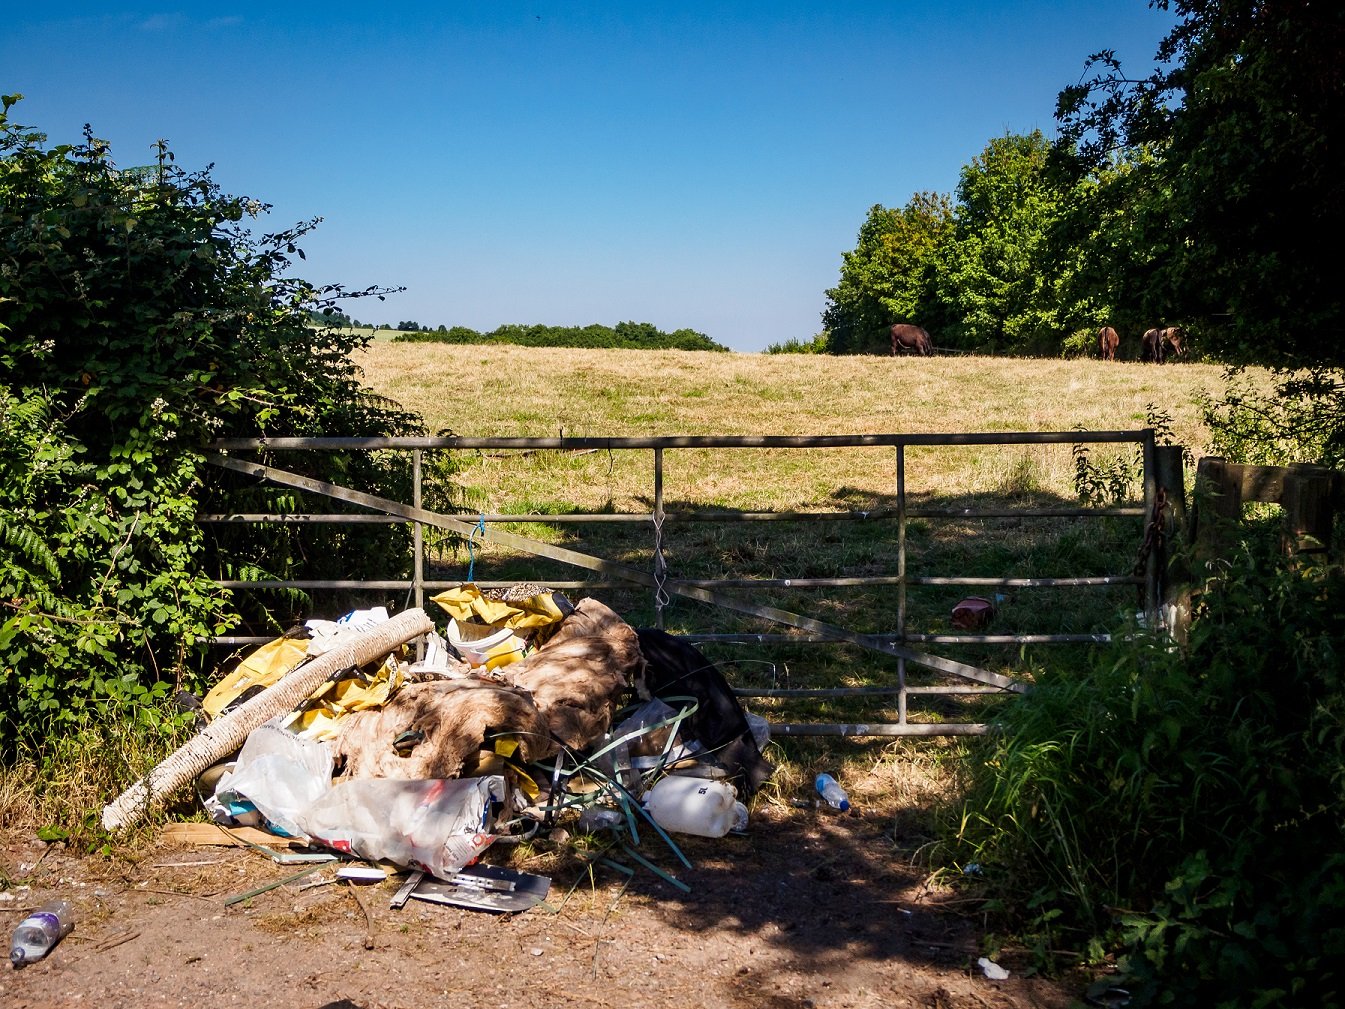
[(277, 773), (437, 824)]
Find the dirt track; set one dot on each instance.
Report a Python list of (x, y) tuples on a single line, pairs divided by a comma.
[(805, 910)]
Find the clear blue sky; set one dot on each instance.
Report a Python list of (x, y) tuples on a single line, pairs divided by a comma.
[(689, 164)]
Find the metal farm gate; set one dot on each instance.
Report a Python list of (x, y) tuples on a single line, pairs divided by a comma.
[(908, 646)]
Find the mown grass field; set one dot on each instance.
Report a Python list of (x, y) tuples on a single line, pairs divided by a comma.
[(503, 391)]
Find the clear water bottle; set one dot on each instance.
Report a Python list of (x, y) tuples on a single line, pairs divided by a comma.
[(830, 790), (40, 931)]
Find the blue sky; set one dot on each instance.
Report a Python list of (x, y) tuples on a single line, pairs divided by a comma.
[(697, 165)]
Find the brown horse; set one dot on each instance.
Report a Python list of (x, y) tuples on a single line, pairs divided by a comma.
[(1157, 342), (1173, 337), (908, 337), (1107, 342)]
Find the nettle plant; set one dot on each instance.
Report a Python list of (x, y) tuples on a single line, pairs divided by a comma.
[(141, 317), (1116, 478)]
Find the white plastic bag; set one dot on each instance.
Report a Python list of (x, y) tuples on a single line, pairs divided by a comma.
[(437, 824), (280, 774)]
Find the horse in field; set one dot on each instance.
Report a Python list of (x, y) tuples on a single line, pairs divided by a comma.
[(1107, 342), (1173, 337), (906, 337), (1156, 343)]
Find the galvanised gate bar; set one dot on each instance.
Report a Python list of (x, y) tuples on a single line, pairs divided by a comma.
[(905, 645)]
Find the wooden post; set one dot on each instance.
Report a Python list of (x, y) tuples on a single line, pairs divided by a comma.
[(1175, 589), (1308, 510), (1218, 495)]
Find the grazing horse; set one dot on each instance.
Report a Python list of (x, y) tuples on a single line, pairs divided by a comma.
[(1172, 337), (1156, 343), (1107, 341), (908, 337)]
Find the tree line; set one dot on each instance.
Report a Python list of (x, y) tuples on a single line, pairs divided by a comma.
[(1184, 195), (622, 336)]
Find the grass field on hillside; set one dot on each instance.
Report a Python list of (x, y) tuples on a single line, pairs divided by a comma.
[(509, 391), (483, 391)]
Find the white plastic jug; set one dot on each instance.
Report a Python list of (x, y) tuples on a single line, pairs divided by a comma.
[(688, 805)]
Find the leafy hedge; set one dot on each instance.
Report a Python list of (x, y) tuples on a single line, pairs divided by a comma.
[(1185, 808), (142, 317), (622, 336)]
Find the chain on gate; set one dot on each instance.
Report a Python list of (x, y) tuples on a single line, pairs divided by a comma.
[(661, 597), (1155, 540)]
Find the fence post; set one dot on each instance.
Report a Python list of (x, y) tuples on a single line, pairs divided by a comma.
[(901, 580), (1174, 582), (1152, 560), (1308, 510), (418, 545), (1218, 503), (660, 562)]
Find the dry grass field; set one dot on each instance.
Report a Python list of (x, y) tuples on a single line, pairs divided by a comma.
[(481, 391), (512, 391)]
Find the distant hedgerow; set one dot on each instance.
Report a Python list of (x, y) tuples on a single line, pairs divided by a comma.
[(622, 336)]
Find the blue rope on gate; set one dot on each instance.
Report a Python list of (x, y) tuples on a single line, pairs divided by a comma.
[(471, 549)]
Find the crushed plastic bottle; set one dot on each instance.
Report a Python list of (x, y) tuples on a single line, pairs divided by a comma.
[(40, 931), (595, 819), (830, 790)]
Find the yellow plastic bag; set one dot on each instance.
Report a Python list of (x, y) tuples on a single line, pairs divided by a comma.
[(266, 665), (467, 604)]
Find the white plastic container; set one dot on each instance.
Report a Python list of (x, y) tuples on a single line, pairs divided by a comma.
[(693, 805), (485, 646)]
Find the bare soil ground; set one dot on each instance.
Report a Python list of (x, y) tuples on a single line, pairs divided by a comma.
[(807, 909)]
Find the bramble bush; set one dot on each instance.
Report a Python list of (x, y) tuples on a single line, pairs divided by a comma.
[(141, 318), (1184, 808)]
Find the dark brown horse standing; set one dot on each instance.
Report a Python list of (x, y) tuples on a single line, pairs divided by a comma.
[(1157, 342), (1107, 342), (908, 337)]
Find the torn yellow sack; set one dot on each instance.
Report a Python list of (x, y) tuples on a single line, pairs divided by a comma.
[(467, 604), (316, 718), (264, 666)]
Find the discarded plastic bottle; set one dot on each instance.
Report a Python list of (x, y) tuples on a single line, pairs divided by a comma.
[(830, 789), (40, 931)]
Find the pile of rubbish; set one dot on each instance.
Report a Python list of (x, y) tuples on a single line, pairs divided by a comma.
[(382, 739)]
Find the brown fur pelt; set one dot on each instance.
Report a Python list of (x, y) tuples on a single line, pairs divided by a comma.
[(578, 677), (567, 690), (456, 720)]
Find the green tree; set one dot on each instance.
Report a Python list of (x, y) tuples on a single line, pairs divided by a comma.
[(1110, 245), (999, 276), (1242, 117), (889, 276)]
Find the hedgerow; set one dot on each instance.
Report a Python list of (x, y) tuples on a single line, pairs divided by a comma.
[(142, 317), (1183, 808)]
